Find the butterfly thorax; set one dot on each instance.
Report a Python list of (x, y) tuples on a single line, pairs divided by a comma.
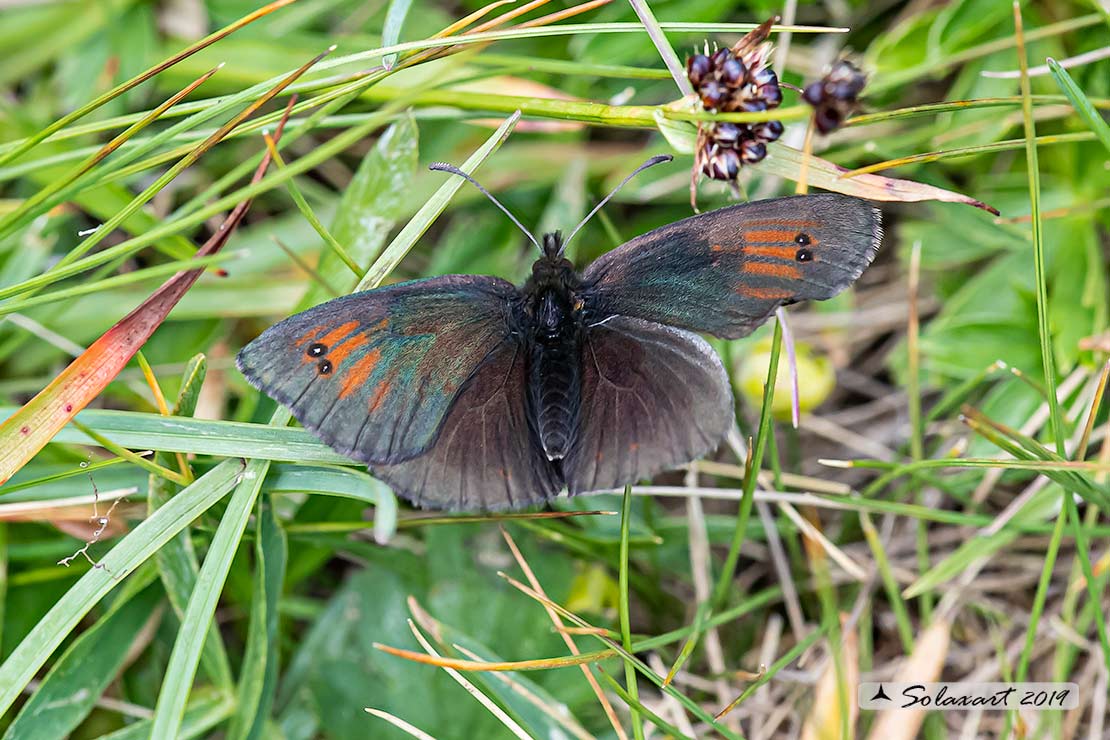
[(551, 295), (553, 310)]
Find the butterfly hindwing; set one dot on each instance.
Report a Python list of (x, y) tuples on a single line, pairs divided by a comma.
[(653, 397), (373, 374), (725, 272), (487, 456)]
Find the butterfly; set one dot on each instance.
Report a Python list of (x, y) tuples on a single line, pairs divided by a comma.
[(465, 392)]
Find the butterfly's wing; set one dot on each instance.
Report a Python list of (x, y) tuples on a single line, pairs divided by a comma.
[(725, 272), (487, 456), (653, 397), (373, 374)]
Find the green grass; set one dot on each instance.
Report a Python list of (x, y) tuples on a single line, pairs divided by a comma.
[(247, 594)]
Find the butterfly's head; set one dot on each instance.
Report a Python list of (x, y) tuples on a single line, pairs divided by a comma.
[(552, 268), (553, 245)]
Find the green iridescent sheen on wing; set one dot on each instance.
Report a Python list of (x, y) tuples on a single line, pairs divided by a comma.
[(373, 374)]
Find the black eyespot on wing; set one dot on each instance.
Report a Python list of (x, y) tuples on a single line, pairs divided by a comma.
[(803, 240), (316, 349), (803, 255), (324, 367)]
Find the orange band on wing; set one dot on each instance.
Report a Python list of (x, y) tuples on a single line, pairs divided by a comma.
[(784, 252), (348, 346), (359, 372), (774, 269), (766, 294), (309, 336), (333, 336), (770, 236)]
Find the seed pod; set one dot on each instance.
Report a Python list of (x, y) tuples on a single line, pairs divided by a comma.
[(733, 72), (712, 95), (727, 134), (722, 164), (835, 95), (698, 69), (767, 131), (752, 151)]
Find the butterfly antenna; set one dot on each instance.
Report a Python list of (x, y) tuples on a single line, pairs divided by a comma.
[(444, 167), (658, 159)]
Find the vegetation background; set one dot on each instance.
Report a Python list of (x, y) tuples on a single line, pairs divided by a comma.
[(246, 577)]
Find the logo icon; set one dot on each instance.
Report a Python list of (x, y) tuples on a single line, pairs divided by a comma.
[(880, 694)]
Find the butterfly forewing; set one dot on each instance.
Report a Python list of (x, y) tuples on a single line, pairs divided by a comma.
[(373, 374), (653, 397), (487, 455), (725, 272)]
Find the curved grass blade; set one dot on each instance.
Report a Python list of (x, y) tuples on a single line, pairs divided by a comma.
[(148, 431), (306, 210)]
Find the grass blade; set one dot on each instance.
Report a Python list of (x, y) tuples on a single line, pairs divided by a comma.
[(751, 475), (78, 678), (1080, 102), (666, 51), (626, 631), (259, 673), (177, 561), (391, 31), (170, 709)]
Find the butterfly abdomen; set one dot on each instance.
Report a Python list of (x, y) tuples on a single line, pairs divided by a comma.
[(555, 389), (555, 370)]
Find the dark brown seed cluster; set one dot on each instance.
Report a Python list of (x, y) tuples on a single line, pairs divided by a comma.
[(735, 80), (723, 148), (835, 95), (724, 82)]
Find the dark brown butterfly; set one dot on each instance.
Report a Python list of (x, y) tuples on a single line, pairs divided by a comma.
[(466, 392)]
